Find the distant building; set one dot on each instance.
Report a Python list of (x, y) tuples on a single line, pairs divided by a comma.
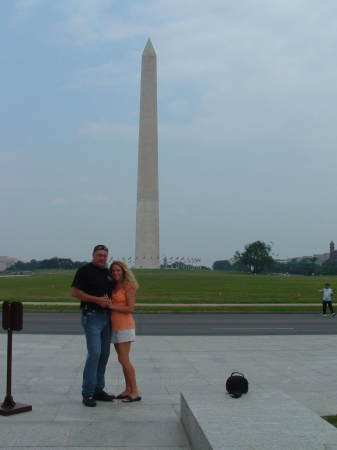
[(320, 257), (333, 253), (7, 261)]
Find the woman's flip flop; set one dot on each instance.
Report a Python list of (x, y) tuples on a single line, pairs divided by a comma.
[(121, 396), (129, 399)]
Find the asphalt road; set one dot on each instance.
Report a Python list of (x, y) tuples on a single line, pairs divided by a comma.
[(194, 324)]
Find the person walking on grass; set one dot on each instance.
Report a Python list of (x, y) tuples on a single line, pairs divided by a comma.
[(93, 286), (123, 325), (327, 300)]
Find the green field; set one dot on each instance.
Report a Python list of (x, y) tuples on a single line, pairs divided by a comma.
[(174, 287), (331, 419)]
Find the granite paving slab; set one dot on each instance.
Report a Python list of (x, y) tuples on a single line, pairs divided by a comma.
[(47, 372)]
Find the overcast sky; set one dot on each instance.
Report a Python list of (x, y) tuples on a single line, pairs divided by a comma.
[(247, 100)]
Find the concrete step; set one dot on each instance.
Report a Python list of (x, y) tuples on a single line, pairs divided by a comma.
[(259, 420)]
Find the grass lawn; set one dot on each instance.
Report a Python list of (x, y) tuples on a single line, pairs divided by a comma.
[(331, 419), (176, 286)]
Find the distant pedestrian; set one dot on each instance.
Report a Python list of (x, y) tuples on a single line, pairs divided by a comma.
[(93, 285), (327, 299)]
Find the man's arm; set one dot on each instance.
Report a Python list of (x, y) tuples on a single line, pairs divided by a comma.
[(101, 301)]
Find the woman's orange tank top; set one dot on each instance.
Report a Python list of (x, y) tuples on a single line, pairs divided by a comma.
[(121, 320)]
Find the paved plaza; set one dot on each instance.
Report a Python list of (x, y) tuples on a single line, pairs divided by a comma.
[(48, 371)]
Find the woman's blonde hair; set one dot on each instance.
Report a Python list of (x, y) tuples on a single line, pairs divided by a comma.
[(128, 276)]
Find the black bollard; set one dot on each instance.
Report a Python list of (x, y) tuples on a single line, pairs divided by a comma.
[(12, 319)]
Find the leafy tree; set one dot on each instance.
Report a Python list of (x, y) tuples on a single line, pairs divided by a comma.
[(329, 267), (256, 257), (237, 266), (296, 266), (222, 265)]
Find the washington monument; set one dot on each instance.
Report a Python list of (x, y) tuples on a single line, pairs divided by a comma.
[(147, 219)]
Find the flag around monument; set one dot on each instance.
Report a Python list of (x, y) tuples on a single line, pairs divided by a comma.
[(147, 216)]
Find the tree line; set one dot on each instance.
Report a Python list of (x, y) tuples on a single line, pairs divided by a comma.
[(67, 263), (51, 263), (257, 258)]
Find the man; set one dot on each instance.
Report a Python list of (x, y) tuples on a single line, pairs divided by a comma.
[(327, 300), (93, 285)]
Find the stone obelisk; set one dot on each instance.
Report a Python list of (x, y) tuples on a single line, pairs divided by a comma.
[(147, 220)]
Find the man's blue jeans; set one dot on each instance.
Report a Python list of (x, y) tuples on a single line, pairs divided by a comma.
[(97, 328)]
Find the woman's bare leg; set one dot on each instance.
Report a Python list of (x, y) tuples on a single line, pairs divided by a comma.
[(127, 389), (128, 369)]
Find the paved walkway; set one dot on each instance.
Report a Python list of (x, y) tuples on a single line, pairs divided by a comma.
[(48, 370), (181, 304)]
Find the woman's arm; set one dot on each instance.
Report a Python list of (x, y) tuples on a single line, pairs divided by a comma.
[(130, 302)]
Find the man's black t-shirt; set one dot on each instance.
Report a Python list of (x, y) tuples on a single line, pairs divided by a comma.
[(93, 281)]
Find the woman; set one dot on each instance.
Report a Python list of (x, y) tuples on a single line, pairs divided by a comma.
[(123, 325)]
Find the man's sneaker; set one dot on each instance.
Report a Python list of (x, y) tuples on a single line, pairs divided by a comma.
[(332, 315), (88, 400), (103, 396), (324, 315)]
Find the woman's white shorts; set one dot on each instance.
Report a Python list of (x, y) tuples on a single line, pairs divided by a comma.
[(127, 335)]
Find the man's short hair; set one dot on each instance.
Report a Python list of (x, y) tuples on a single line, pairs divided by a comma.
[(100, 247)]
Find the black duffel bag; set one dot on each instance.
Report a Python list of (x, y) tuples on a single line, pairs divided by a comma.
[(237, 384)]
